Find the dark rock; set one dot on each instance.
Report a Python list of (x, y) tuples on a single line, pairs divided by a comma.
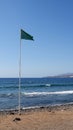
[(17, 119)]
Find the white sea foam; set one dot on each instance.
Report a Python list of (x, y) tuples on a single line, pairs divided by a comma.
[(48, 85), (32, 107), (47, 93)]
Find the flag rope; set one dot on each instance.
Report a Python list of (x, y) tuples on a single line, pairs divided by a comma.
[(19, 75)]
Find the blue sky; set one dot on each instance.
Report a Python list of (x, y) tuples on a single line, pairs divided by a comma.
[(50, 22)]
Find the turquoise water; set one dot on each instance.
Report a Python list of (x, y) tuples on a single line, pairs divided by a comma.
[(35, 92)]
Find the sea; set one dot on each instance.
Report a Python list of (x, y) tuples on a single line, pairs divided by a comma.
[(35, 92)]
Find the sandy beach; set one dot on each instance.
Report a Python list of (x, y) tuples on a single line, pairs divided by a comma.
[(44, 118)]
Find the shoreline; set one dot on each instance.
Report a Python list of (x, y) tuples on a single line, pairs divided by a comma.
[(49, 108)]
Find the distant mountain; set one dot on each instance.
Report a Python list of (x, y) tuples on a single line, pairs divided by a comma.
[(67, 75)]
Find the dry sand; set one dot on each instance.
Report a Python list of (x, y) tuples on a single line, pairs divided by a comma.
[(59, 118)]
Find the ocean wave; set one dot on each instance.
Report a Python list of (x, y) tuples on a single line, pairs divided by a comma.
[(58, 84), (3, 95), (33, 94), (47, 93), (35, 85)]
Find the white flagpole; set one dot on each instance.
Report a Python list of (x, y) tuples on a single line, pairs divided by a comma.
[(19, 75)]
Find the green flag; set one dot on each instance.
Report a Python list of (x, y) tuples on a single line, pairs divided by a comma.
[(25, 35)]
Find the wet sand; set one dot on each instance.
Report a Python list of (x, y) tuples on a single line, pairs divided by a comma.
[(44, 118)]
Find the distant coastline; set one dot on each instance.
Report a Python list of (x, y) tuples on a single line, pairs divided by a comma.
[(67, 75)]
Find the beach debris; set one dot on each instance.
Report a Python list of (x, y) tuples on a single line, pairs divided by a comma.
[(17, 119), (11, 113)]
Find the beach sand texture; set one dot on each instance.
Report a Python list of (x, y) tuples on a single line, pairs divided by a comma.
[(42, 119)]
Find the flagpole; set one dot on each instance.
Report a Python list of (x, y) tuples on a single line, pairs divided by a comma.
[(23, 35), (19, 75)]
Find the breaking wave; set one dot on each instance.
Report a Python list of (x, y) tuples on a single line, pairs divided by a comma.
[(47, 93), (33, 94)]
